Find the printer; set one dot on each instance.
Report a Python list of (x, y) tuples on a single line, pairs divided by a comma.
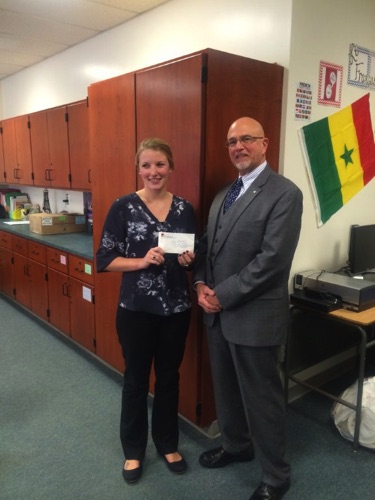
[(355, 294)]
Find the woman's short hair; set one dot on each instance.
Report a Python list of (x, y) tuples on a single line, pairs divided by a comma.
[(158, 145)]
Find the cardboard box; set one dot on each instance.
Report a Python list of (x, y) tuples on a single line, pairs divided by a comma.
[(57, 223)]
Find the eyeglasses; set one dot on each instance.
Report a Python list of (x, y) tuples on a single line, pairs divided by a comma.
[(244, 139)]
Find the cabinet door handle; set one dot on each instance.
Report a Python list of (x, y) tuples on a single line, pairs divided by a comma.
[(66, 290), (26, 270), (16, 174)]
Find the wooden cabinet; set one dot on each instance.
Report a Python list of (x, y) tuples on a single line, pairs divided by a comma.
[(23, 143), (30, 276), (10, 152), (6, 265), (58, 295), (38, 277), (21, 277), (203, 93), (50, 147), (58, 291), (79, 147), (71, 296), (18, 166), (54, 285), (112, 142), (190, 102), (81, 293)]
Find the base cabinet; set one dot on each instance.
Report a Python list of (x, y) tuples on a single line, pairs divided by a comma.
[(58, 293), (71, 300), (6, 265), (56, 286), (82, 300), (6, 272), (30, 276), (82, 321)]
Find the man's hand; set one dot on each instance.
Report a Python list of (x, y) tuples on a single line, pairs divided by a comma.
[(207, 299)]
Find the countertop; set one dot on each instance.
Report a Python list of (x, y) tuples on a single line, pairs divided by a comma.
[(80, 244)]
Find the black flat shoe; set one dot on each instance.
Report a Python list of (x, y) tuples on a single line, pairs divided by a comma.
[(132, 475), (218, 457), (267, 492), (178, 467)]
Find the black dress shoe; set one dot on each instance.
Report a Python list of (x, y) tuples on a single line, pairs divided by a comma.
[(218, 457), (178, 467), (132, 475), (268, 492)]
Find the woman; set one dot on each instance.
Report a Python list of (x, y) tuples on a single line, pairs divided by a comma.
[(153, 313)]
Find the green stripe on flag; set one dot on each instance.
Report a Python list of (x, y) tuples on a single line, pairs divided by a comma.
[(323, 167)]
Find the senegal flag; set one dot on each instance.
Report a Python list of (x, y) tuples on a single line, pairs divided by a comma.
[(340, 156)]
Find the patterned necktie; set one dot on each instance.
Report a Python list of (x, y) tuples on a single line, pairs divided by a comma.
[(233, 194)]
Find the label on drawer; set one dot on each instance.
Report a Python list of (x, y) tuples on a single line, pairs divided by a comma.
[(47, 221), (88, 268), (86, 293)]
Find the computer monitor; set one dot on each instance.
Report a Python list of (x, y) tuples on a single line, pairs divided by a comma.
[(362, 249)]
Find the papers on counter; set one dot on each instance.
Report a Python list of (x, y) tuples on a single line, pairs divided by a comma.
[(15, 222)]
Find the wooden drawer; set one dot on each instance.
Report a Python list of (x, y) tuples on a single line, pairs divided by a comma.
[(57, 260), (20, 245), (82, 269), (37, 251), (5, 240)]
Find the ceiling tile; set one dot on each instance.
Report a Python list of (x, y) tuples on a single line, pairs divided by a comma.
[(43, 28)]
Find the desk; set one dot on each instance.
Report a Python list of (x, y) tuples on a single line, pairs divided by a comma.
[(363, 326)]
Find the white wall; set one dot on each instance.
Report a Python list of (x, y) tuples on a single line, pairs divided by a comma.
[(296, 34), (251, 28), (323, 30)]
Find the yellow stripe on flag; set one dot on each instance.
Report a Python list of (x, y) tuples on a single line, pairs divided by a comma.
[(345, 142)]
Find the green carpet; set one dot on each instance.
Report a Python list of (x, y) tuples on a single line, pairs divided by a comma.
[(59, 420)]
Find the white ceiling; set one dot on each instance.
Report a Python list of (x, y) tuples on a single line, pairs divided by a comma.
[(33, 30)]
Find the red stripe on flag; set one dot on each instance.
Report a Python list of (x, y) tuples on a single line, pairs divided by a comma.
[(363, 126)]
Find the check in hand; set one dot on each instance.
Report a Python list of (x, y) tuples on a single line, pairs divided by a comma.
[(207, 299)]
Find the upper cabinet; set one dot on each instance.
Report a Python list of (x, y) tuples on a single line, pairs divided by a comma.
[(191, 102), (50, 147), (79, 148), (18, 168)]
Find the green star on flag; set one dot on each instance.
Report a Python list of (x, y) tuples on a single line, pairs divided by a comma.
[(347, 156)]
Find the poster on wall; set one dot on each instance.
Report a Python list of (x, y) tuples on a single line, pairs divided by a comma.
[(330, 84), (361, 67), (303, 101)]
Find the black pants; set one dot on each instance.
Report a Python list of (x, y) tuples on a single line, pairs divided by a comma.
[(147, 338)]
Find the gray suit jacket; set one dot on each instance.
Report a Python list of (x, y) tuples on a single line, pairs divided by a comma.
[(246, 256)]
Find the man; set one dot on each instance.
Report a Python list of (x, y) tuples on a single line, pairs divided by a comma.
[(241, 279)]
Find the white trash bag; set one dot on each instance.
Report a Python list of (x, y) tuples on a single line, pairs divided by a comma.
[(345, 417)]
